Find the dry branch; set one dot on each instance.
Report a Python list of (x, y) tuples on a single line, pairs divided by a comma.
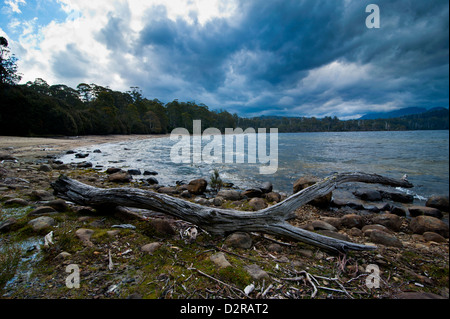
[(272, 220)]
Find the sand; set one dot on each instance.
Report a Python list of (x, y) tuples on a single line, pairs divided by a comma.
[(35, 147)]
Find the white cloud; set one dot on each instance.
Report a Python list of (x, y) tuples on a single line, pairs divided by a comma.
[(14, 5)]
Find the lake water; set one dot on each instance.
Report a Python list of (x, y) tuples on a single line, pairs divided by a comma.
[(422, 155)]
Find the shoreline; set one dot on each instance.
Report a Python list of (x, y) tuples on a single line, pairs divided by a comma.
[(39, 147)]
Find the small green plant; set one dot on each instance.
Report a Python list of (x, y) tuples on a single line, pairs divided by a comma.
[(9, 260), (216, 182)]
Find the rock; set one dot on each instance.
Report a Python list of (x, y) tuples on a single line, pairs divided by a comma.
[(113, 233), (152, 173), (334, 221), (273, 197), (113, 170), (229, 194), (333, 234), (257, 204), (220, 260), (186, 194), (431, 236), (352, 220), (151, 248), (41, 195), (16, 201), (383, 238), (367, 230), (397, 210), (197, 186), (321, 225), (239, 240), (7, 157), (422, 224), (152, 181), (42, 211), (201, 201), (63, 255), (266, 187), (45, 168), (7, 225), (162, 227), (97, 151), (42, 223), (120, 177), (305, 182), (391, 221), (355, 232), (168, 190), (252, 193), (415, 211), (275, 248), (368, 194), (85, 165), (134, 172), (256, 272), (81, 155), (85, 236), (59, 204), (397, 196), (217, 201), (439, 202)]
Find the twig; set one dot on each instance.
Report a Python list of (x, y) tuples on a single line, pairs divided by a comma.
[(217, 280)]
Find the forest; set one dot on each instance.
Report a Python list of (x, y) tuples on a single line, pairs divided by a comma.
[(39, 109)]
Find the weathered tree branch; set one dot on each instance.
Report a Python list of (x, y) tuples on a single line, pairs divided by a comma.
[(272, 220)]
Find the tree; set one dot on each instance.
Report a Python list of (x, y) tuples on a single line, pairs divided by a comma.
[(8, 65)]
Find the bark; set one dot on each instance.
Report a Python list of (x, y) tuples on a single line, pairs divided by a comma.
[(271, 220)]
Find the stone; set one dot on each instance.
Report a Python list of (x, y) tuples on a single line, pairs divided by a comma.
[(63, 255), (257, 204), (162, 227), (45, 168), (85, 236), (252, 193), (386, 239), (333, 234), (355, 232), (391, 221), (273, 197), (275, 248), (134, 171), (59, 204), (321, 225), (422, 224), (120, 177), (41, 195), (239, 240), (7, 157), (229, 194), (266, 187), (168, 190), (42, 223), (256, 272), (397, 196), (42, 211), (220, 260), (113, 170), (6, 225), (81, 155), (334, 221), (415, 211), (367, 230), (152, 181), (431, 236), (113, 233), (150, 173), (439, 202), (397, 210), (97, 151), (16, 201), (85, 165), (151, 248), (352, 220), (368, 195), (197, 186), (217, 201)]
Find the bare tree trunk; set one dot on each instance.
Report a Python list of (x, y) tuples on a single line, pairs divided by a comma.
[(272, 220)]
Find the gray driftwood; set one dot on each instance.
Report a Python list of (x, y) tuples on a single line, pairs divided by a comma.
[(272, 220)]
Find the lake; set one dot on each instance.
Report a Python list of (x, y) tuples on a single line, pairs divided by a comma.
[(422, 155)]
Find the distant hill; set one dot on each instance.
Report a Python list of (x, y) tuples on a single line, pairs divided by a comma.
[(394, 114)]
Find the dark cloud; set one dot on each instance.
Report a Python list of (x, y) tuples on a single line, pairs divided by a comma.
[(70, 63), (297, 57)]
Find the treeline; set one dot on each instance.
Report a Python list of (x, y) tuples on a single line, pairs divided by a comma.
[(38, 109)]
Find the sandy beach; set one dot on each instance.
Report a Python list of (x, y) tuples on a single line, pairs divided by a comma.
[(33, 147)]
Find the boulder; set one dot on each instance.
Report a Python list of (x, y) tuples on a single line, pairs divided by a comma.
[(439, 202), (391, 221), (352, 220), (368, 194), (197, 186), (397, 196), (45, 168), (42, 211), (321, 225), (150, 173), (152, 181), (422, 224), (415, 211), (6, 225), (134, 171), (386, 239), (431, 236), (85, 165), (85, 236), (256, 272), (252, 193), (397, 210), (229, 194), (257, 204), (81, 155), (220, 260), (266, 187), (151, 248), (42, 223), (113, 170), (273, 197), (239, 240), (120, 177)]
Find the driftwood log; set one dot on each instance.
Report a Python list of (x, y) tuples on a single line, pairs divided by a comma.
[(271, 220)]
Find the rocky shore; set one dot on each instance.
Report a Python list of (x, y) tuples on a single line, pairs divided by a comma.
[(144, 254)]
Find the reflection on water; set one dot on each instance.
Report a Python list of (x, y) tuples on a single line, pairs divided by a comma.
[(423, 155)]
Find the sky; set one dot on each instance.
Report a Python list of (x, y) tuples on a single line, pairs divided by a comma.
[(250, 57)]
